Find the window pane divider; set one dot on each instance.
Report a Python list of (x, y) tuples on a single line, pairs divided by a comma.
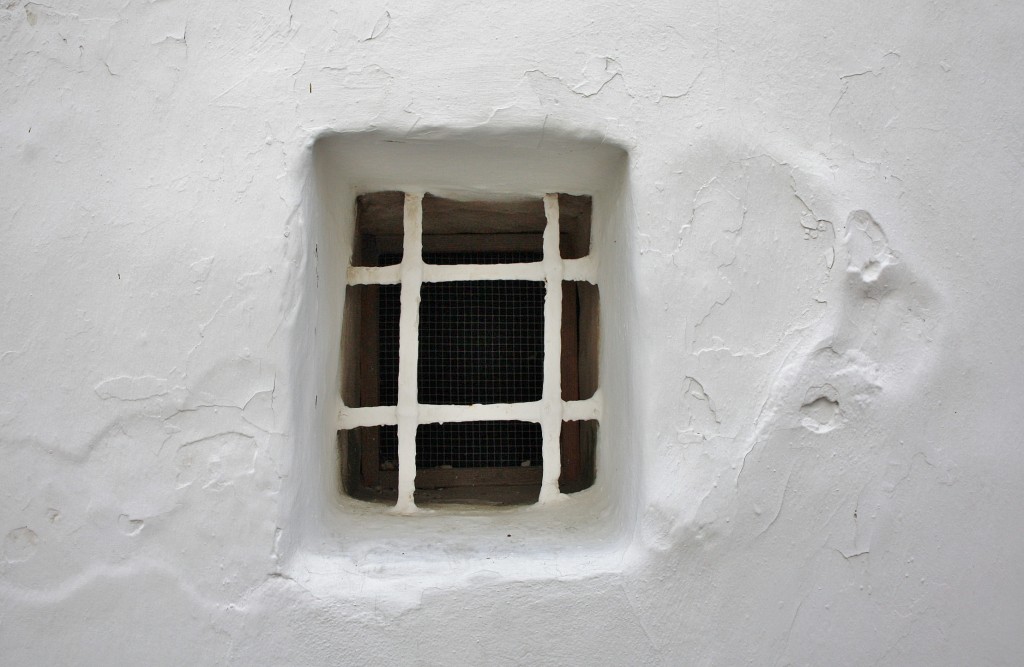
[(387, 415), (408, 350), (381, 415), (551, 395), (574, 269), (443, 414), (374, 275), (581, 270), (588, 408)]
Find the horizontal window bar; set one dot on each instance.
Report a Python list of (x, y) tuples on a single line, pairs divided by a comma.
[(443, 414), (582, 410), (375, 275), (436, 414), (573, 269), (380, 415), (580, 270)]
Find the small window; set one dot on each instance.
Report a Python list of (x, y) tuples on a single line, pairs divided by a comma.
[(469, 350)]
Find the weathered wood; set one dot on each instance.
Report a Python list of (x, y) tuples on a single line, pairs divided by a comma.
[(480, 495), (574, 214), (467, 243), (589, 338), (521, 494), (477, 243), (569, 439), (451, 216), (434, 478), (454, 226), (351, 323), (380, 213), (588, 451)]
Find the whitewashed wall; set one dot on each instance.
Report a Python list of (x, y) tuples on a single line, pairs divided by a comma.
[(811, 303)]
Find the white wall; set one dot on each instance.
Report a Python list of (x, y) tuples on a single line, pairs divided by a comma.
[(810, 306)]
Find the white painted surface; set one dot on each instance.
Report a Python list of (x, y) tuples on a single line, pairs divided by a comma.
[(551, 392), (811, 360), (408, 350)]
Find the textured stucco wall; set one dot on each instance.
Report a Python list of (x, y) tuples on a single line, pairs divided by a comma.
[(813, 293)]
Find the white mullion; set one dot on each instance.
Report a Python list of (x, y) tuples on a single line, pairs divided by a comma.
[(374, 275), (551, 396), (583, 269), (589, 408), (378, 415), (408, 350), (445, 414), (382, 415)]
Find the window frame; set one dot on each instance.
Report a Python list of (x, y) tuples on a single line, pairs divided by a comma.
[(568, 456)]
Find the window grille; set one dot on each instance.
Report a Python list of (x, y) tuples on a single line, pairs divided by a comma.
[(470, 350)]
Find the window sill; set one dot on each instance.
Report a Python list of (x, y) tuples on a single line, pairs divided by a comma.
[(574, 537)]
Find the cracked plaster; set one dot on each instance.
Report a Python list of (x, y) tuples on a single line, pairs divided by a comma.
[(818, 232)]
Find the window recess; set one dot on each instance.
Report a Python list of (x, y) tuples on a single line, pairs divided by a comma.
[(469, 350)]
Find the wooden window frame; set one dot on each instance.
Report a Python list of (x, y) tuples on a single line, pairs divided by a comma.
[(376, 236)]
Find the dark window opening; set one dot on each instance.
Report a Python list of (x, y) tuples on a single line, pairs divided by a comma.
[(484, 444), (479, 342)]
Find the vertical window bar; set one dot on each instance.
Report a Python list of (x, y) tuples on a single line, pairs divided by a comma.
[(408, 349), (551, 397)]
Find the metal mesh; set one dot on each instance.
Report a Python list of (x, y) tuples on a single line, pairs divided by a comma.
[(484, 444), (481, 341), (388, 447), (478, 444), (388, 312), (496, 257)]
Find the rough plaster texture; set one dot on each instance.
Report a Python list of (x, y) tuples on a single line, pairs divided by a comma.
[(811, 303)]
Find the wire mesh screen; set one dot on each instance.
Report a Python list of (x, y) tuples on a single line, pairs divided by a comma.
[(388, 312), (496, 257), (388, 447), (478, 444), (481, 342)]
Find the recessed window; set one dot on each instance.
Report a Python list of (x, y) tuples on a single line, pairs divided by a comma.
[(469, 350)]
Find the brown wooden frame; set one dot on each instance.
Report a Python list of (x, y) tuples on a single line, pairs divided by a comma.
[(379, 223)]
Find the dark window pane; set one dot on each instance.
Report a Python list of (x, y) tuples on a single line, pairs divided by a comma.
[(478, 444), (481, 342)]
